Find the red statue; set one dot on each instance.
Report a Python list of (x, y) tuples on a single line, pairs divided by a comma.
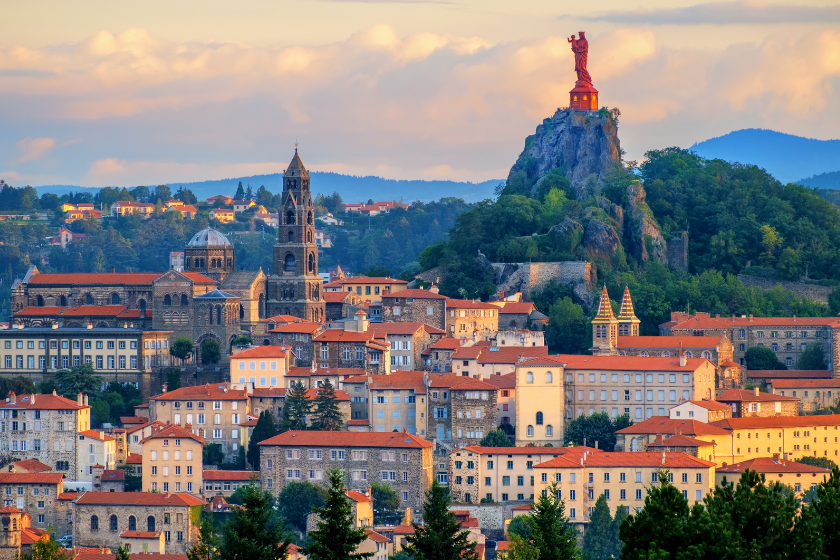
[(583, 97)]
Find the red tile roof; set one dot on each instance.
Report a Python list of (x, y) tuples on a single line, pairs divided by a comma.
[(506, 381), (399, 381), (31, 478), (68, 495), (404, 328), (358, 422), (229, 475), (666, 425), (777, 422), (358, 496), (126, 534), (412, 293), (95, 434), (467, 353), (688, 342), (376, 537), (261, 352), (447, 344), (620, 363), (173, 431), (467, 304), (629, 459), (730, 322), (340, 372), (439, 380), (139, 499), (510, 354), (683, 441), (113, 475), (284, 319), (505, 545), (302, 327), (134, 459), (96, 278), (336, 297), (32, 465), (42, 402), (349, 439), (209, 391), (133, 420), (789, 374), (711, 405), (404, 530), (369, 280), (742, 395), (520, 307), (41, 311), (804, 383), (771, 465)]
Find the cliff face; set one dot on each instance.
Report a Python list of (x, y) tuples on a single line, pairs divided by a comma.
[(585, 145)]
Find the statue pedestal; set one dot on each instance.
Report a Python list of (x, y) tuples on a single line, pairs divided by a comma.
[(583, 98)]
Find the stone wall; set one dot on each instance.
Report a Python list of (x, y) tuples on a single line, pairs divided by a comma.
[(676, 250), (802, 289), (491, 517), (526, 277)]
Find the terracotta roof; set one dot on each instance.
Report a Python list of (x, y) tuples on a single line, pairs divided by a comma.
[(358, 422), (804, 383), (42, 402), (447, 344), (98, 310), (302, 327), (336, 335), (284, 319), (68, 495), (729, 322), (134, 459), (349, 439), (369, 280), (336, 297), (96, 278), (711, 405), (683, 441), (358, 496), (504, 545), (688, 342), (32, 465), (666, 425), (510, 354), (620, 363), (741, 395), (520, 307), (778, 422), (126, 534), (530, 450), (133, 420), (113, 475), (629, 459), (400, 380), (229, 475), (340, 372), (95, 434), (198, 278), (31, 478), (729, 363), (506, 381), (467, 304), (96, 554), (772, 465), (789, 374), (376, 537), (467, 353), (209, 391), (404, 328), (404, 530), (261, 352), (413, 293), (139, 499), (438, 380), (173, 431)]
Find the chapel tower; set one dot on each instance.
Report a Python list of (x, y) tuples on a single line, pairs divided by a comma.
[(605, 328), (628, 323), (295, 288)]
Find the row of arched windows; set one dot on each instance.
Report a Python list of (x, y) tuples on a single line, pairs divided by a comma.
[(218, 314), (114, 523), (176, 317), (549, 431), (549, 377), (61, 301), (174, 299)]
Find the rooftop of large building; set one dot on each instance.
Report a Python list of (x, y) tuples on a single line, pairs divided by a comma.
[(742, 395), (138, 499), (822, 420), (663, 459), (315, 438), (208, 391), (618, 363), (666, 425), (772, 465)]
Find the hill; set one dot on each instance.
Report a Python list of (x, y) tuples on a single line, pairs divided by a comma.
[(351, 188), (785, 156), (823, 181)]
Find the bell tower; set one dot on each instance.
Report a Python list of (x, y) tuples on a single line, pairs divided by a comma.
[(628, 323), (295, 288), (605, 328)]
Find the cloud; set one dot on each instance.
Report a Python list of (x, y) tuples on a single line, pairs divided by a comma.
[(745, 12), (32, 149)]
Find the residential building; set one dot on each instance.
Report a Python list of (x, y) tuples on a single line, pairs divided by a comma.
[(28, 466), (240, 206), (330, 220), (522, 338), (408, 341), (129, 208), (176, 260), (756, 403), (394, 402), (187, 211), (514, 314), (313, 377), (95, 449), (341, 305), (792, 437), (623, 479), (108, 480), (499, 474), (638, 436), (298, 337), (260, 366), (438, 356), (378, 545), (99, 518), (368, 288), (143, 542), (703, 410), (274, 399), (813, 394), (483, 361), (461, 410), (415, 306), (799, 476), (683, 444), (172, 460), (506, 398), (35, 494), (787, 337), (227, 482), (401, 459), (469, 319), (222, 215), (540, 396), (224, 198), (354, 347), (763, 378), (214, 411)]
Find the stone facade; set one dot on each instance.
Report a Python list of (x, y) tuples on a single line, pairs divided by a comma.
[(530, 277), (755, 404), (295, 288), (461, 410), (35, 494), (415, 306), (216, 317), (357, 348), (470, 319), (402, 460), (676, 250), (249, 285), (408, 342), (211, 254), (298, 338)]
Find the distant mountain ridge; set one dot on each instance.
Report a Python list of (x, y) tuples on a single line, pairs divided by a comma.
[(787, 157), (351, 188), (823, 181)]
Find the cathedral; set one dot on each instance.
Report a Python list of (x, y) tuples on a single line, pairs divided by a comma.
[(209, 299)]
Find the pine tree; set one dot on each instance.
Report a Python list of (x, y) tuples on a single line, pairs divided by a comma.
[(296, 408), (441, 538), (240, 192), (552, 534), (249, 193), (519, 549), (264, 430), (255, 532), (207, 546), (122, 553), (327, 416), (621, 513), (335, 537), (827, 507), (597, 541)]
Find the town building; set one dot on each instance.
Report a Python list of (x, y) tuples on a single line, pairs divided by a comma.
[(132, 208), (99, 518), (683, 444), (260, 366), (18, 535), (483, 361), (438, 356), (356, 346), (176, 260), (227, 482), (461, 410), (799, 476), (506, 398), (108, 480), (298, 337), (522, 338), (35, 494), (415, 306), (639, 436), (766, 378), (28, 466), (95, 449), (394, 402), (702, 410), (515, 315), (273, 400), (222, 215), (539, 402), (401, 459), (368, 289), (408, 341), (792, 437), (813, 394), (756, 403), (172, 461), (469, 319)]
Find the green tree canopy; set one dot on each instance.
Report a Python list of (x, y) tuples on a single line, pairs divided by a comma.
[(297, 500), (211, 352), (265, 429), (823, 462), (181, 347), (173, 379), (327, 415), (254, 532), (336, 537), (813, 358), (598, 539), (296, 408), (386, 501), (441, 536), (495, 438), (761, 357), (550, 529), (596, 428), (80, 379)]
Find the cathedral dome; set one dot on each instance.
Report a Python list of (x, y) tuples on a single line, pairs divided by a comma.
[(207, 237)]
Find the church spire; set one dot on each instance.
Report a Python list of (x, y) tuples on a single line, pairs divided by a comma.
[(628, 323), (605, 311), (605, 328)]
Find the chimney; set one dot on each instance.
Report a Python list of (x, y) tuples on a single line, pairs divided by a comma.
[(54, 393), (33, 398), (314, 367), (54, 326), (79, 401), (584, 442), (164, 387), (596, 444), (755, 390), (682, 356), (663, 457), (86, 400), (90, 326), (12, 397), (751, 318), (113, 269)]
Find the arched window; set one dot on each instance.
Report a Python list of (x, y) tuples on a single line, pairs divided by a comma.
[(311, 262), (62, 301), (530, 431), (241, 311), (549, 378), (539, 418), (309, 236), (88, 299), (167, 300), (688, 354), (115, 299), (184, 300), (151, 523), (290, 216), (549, 430), (40, 301), (141, 305), (210, 316), (132, 523), (113, 522), (94, 523), (309, 218), (530, 377), (219, 314), (291, 236), (707, 355), (290, 263)]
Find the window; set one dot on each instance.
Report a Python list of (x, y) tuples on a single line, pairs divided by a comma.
[(530, 431), (94, 523), (530, 377), (113, 522), (539, 418)]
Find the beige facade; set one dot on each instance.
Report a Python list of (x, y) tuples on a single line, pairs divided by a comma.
[(483, 361), (35, 494), (756, 403), (369, 289), (390, 403), (227, 482), (506, 398), (172, 461), (260, 366), (704, 411), (469, 319), (94, 449), (798, 476), (539, 399), (813, 394)]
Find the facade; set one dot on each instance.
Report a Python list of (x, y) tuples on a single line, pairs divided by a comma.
[(101, 517), (394, 402), (249, 285), (483, 361), (438, 357), (368, 289), (506, 398), (298, 338), (415, 306), (461, 410), (798, 476), (261, 366), (683, 444), (514, 314), (469, 319), (539, 397), (94, 449), (35, 494), (704, 411), (522, 338), (408, 341), (295, 288), (354, 347), (227, 482), (130, 208), (791, 437), (757, 404), (172, 459), (813, 394), (217, 317), (661, 428), (402, 460), (211, 254)]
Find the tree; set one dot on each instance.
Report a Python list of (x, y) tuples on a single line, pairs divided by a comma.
[(255, 532), (519, 549), (299, 499), (621, 513), (122, 553), (495, 438), (377, 272), (598, 539), (249, 193), (386, 501), (208, 543), (567, 328), (823, 462), (80, 379), (761, 357), (296, 408), (212, 454), (173, 379), (827, 509), (265, 429), (242, 341), (240, 192), (45, 549), (181, 347), (812, 358), (327, 416), (335, 537), (211, 352), (550, 529), (596, 429), (441, 537), (519, 526)]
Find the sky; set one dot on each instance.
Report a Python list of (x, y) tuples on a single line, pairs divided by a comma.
[(101, 93)]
